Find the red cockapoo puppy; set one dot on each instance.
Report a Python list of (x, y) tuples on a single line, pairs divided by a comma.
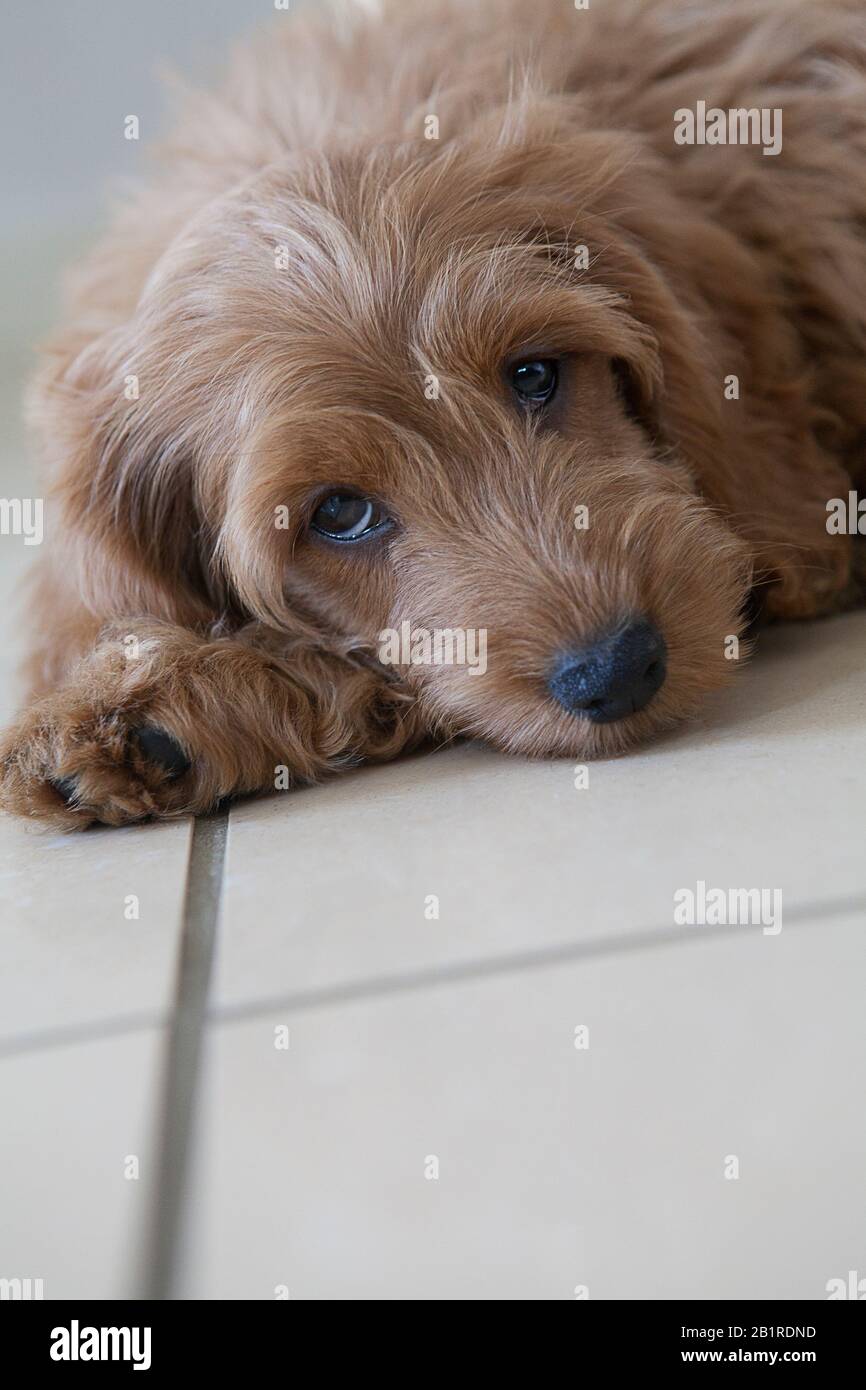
[(535, 330)]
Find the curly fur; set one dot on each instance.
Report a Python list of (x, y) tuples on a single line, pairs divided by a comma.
[(260, 387)]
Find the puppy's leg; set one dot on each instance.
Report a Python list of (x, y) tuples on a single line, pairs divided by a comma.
[(158, 721)]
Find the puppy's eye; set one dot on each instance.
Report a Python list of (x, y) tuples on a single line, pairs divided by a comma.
[(535, 382), (342, 516)]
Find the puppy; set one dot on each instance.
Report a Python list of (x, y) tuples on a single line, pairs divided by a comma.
[(435, 320)]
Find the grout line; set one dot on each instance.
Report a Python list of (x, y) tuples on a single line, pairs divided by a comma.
[(304, 1000), (182, 1066), (491, 967), (72, 1033)]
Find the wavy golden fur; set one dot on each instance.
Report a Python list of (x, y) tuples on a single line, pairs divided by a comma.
[(168, 598)]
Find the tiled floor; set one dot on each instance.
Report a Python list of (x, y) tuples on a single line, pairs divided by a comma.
[(557, 1167), (157, 1138)]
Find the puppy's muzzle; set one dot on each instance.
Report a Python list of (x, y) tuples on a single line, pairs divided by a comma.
[(615, 677)]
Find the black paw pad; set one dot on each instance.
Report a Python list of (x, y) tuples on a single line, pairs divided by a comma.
[(160, 748), (67, 788), (753, 609)]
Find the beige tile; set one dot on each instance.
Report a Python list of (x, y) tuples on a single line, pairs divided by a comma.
[(73, 954), (328, 885), (602, 1167), (72, 1119)]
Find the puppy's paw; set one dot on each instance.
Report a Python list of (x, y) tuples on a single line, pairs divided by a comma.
[(71, 767)]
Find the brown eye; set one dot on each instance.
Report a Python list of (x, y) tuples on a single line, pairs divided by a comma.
[(343, 516), (535, 382)]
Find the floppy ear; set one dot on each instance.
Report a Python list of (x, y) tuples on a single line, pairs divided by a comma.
[(740, 412), (776, 490), (738, 406), (735, 399), (130, 524), (122, 481)]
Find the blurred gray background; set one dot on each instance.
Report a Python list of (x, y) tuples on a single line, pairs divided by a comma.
[(70, 71)]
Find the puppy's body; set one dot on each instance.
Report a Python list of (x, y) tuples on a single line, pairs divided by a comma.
[(325, 292)]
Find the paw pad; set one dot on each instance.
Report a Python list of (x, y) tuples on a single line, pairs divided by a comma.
[(160, 748), (67, 787)]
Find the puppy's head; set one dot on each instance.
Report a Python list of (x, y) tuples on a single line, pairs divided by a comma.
[(454, 392)]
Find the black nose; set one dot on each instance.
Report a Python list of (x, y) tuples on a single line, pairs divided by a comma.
[(615, 677)]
